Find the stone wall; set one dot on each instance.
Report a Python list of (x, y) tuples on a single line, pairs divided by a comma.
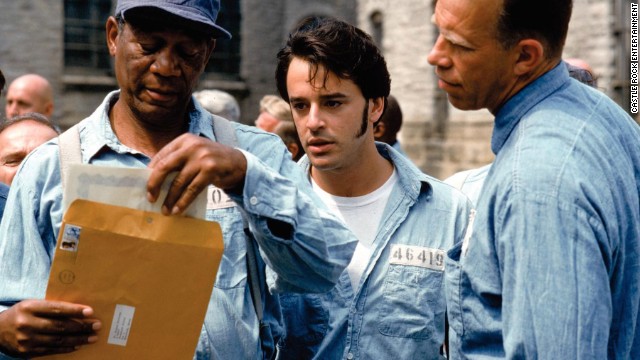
[(31, 42), (440, 139), (265, 28)]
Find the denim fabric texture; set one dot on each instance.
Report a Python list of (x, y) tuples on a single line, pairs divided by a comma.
[(275, 190), (398, 311), (551, 270), (470, 182), (4, 192)]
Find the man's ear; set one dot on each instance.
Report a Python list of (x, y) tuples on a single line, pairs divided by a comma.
[(293, 149), (379, 130), (48, 111), (376, 107), (112, 35), (530, 54)]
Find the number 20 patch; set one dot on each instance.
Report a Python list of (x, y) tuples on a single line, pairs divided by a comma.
[(417, 256)]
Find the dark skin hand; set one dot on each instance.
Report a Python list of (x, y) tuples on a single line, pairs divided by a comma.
[(199, 162), (34, 328)]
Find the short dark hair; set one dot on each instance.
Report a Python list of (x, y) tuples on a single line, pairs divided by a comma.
[(342, 49), (544, 20), (31, 116), (392, 118)]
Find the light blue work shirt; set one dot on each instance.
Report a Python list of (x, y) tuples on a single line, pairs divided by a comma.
[(309, 258), (4, 191), (470, 181), (398, 310), (552, 269), (396, 145)]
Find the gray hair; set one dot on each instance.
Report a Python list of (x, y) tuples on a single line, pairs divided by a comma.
[(219, 103)]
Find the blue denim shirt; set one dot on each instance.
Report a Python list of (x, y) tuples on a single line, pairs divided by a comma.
[(398, 310), (551, 269), (4, 191), (470, 181), (275, 189)]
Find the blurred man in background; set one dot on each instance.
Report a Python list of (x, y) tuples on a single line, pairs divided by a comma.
[(386, 129), (29, 93), (18, 137), (273, 110), (219, 103)]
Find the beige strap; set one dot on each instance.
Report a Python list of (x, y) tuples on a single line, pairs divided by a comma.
[(69, 145)]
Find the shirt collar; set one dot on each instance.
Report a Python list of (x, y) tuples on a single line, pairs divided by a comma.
[(96, 133), (515, 108)]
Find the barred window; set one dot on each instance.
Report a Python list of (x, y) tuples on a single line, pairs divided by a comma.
[(85, 49), (225, 59), (377, 27), (86, 53)]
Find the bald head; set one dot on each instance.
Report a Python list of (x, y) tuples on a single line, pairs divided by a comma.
[(29, 93), (18, 137)]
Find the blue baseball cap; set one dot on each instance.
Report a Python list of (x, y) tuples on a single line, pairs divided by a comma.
[(199, 15)]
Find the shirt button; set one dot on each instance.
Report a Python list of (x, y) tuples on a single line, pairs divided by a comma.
[(253, 200), (349, 356)]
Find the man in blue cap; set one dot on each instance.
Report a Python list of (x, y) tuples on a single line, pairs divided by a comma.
[(160, 49)]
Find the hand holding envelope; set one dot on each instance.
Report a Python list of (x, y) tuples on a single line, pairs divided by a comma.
[(148, 277)]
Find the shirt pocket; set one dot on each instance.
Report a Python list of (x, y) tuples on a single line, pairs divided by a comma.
[(453, 276), (413, 299), (232, 272), (306, 319)]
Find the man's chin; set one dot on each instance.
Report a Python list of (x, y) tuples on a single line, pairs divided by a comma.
[(321, 163), (158, 115), (462, 104)]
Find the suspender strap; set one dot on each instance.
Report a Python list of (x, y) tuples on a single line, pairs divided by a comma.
[(69, 145)]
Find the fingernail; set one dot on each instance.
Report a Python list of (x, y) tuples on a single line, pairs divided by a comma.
[(175, 210), (165, 210), (92, 339), (150, 197), (87, 311), (96, 325)]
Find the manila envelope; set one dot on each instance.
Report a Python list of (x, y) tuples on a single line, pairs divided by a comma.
[(147, 276)]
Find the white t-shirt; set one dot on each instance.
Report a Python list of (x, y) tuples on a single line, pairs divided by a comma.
[(362, 215)]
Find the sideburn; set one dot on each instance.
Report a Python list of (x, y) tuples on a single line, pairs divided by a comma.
[(365, 120)]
